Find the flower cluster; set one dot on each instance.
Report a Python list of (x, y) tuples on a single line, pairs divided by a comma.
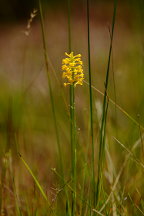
[(72, 69)]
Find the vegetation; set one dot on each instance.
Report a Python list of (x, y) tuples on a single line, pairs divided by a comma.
[(71, 112)]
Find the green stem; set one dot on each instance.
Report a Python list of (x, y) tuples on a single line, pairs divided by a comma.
[(101, 155), (50, 88), (72, 122), (91, 104), (104, 114), (73, 146), (69, 25)]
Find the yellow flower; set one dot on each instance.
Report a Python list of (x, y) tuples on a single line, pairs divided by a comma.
[(72, 69)]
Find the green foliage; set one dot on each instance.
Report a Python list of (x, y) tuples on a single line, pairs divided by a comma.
[(82, 147)]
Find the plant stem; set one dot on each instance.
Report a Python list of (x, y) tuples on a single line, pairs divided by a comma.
[(50, 88), (73, 146), (72, 121), (69, 25), (91, 104), (104, 114)]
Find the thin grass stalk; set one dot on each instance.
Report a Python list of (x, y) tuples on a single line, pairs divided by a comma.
[(100, 162), (119, 108), (82, 207), (3, 181), (115, 95), (82, 199), (51, 97), (18, 210), (82, 193), (11, 172), (104, 114), (72, 121), (35, 179), (127, 157), (69, 25), (73, 146), (91, 102), (114, 85), (50, 88)]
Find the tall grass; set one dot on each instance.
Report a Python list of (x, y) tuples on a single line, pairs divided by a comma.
[(50, 87), (72, 121), (104, 113), (91, 104), (73, 146), (113, 186)]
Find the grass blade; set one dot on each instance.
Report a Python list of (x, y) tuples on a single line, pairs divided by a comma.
[(91, 103), (104, 114), (72, 121), (50, 88), (119, 107), (34, 178)]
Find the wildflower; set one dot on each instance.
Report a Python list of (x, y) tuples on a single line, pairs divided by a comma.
[(72, 69)]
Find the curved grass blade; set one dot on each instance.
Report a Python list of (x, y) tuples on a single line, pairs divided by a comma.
[(127, 157), (34, 178), (119, 107)]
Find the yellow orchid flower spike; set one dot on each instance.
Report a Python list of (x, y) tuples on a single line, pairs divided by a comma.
[(72, 67)]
